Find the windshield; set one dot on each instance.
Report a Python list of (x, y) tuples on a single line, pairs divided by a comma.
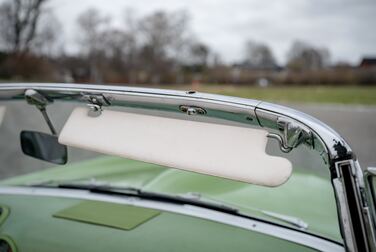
[(306, 201)]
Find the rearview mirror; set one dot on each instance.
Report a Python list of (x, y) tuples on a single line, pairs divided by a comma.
[(43, 146)]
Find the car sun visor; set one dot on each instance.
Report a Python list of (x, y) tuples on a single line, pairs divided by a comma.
[(236, 153)]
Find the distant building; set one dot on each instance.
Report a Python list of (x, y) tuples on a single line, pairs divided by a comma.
[(368, 62)]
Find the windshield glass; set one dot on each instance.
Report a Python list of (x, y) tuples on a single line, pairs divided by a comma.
[(306, 198)]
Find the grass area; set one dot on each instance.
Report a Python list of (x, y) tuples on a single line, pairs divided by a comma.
[(311, 94)]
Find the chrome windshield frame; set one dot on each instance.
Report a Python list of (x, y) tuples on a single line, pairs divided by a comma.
[(327, 142), (161, 99)]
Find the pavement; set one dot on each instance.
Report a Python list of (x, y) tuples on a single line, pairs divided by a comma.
[(357, 124)]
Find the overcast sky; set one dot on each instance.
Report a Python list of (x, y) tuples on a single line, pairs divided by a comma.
[(345, 27)]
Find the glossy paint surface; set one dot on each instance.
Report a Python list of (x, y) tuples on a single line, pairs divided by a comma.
[(33, 228), (306, 196)]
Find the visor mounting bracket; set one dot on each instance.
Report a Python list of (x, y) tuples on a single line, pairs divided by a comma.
[(192, 110), (293, 135), (95, 104), (41, 101)]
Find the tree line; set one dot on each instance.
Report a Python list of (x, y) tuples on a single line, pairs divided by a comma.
[(158, 48)]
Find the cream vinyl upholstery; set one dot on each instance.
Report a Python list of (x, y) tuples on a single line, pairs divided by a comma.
[(231, 152)]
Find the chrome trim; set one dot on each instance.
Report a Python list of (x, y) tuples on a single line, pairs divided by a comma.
[(371, 210), (217, 106), (344, 213), (194, 211), (353, 205), (282, 144), (16, 90), (336, 147), (289, 219), (292, 135), (189, 110), (247, 111)]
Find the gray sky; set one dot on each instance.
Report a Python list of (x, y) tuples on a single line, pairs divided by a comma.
[(346, 27)]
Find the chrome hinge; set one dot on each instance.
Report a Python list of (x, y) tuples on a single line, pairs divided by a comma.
[(292, 135), (96, 103), (192, 110)]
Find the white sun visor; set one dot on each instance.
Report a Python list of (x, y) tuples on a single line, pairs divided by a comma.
[(230, 152), (2, 113)]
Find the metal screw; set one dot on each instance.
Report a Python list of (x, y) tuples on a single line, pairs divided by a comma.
[(191, 111)]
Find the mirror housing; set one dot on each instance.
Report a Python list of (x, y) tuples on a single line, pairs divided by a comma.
[(44, 147)]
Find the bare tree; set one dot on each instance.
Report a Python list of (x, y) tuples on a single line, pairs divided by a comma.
[(92, 25), (19, 21), (200, 53), (48, 41), (118, 44), (92, 28), (154, 48), (132, 45), (121, 53), (304, 56), (259, 55), (164, 37), (164, 32)]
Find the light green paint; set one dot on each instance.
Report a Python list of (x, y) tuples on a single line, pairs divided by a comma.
[(306, 196), (107, 214), (32, 227)]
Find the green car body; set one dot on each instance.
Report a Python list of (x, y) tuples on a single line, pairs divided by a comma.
[(167, 231)]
